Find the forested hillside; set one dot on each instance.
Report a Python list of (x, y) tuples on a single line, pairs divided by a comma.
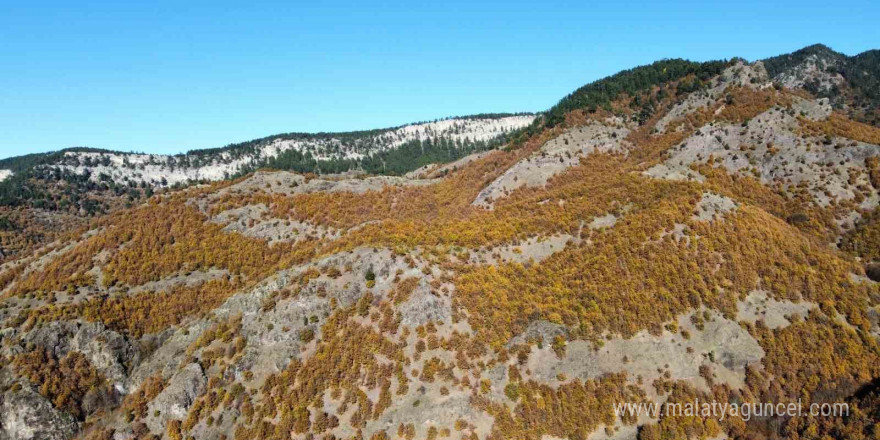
[(852, 83), (55, 192), (679, 231)]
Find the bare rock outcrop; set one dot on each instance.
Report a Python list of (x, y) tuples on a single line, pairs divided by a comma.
[(26, 415)]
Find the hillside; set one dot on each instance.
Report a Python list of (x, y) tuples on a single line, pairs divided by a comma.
[(44, 194), (851, 83), (676, 231)]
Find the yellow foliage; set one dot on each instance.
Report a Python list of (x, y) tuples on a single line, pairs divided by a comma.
[(839, 125)]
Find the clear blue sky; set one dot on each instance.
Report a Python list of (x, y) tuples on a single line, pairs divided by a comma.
[(171, 76)]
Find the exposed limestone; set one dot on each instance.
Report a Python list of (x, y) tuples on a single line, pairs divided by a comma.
[(556, 156), (433, 171), (712, 207), (605, 221), (289, 183), (425, 407), (769, 148), (271, 347), (108, 351), (184, 279), (174, 401), (874, 317), (164, 361), (814, 69), (255, 221), (539, 330), (814, 110), (722, 344), (424, 306), (26, 415), (160, 170), (774, 313), (741, 75)]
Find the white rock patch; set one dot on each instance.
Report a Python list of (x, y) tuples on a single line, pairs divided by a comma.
[(605, 221), (156, 168)]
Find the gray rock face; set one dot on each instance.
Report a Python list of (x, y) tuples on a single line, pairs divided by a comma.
[(722, 344), (772, 148), (174, 401), (556, 156), (814, 69), (26, 415), (165, 360)]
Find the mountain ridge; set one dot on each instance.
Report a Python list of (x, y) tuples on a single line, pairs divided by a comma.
[(590, 96)]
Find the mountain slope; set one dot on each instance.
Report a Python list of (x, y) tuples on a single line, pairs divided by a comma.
[(852, 83), (44, 194), (679, 231)]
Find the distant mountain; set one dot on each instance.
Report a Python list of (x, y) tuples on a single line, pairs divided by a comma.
[(51, 180)]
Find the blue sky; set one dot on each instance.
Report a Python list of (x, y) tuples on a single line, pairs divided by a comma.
[(166, 77)]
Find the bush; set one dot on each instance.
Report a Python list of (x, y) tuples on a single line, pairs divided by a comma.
[(873, 271), (306, 335), (798, 218)]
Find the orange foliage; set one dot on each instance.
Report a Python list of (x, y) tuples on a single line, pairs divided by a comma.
[(65, 382), (840, 125)]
